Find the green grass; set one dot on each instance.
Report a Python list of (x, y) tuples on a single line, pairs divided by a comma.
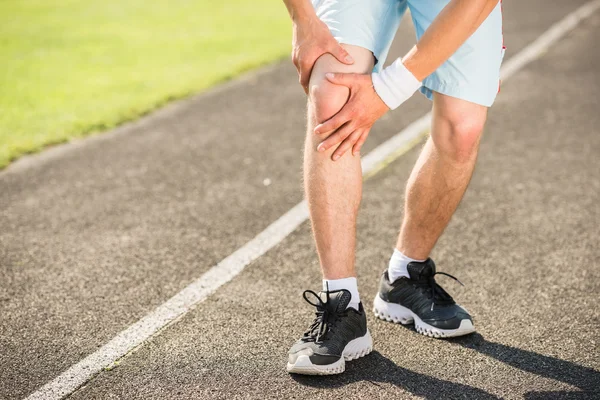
[(73, 67)]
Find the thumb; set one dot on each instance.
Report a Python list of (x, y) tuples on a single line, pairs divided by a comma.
[(341, 54), (340, 78)]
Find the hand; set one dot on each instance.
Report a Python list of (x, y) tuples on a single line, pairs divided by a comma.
[(351, 125), (312, 39)]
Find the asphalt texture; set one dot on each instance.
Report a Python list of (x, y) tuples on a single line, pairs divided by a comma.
[(97, 233)]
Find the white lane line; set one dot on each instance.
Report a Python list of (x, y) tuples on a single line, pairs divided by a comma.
[(106, 356), (548, 38)]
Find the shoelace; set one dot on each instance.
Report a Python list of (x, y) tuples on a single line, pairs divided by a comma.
[(325, 320), (438, 295)]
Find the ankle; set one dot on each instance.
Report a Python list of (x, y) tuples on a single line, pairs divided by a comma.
[(397, 267), (350, 284)]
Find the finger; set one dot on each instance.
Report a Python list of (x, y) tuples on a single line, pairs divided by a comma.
[(361, 140), (346, 145), (336, 138), (304, 87), (340, 78), (341, 54), (305, 71), (333, 123)]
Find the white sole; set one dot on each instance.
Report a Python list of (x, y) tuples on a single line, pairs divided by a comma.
[(401, 315), (356, 348)]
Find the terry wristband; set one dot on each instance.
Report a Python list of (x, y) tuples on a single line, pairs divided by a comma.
[(395, 84)]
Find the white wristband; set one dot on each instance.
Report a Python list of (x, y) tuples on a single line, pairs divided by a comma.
[(395, 84)]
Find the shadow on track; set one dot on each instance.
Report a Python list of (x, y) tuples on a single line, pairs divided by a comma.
[(568, 372), (376, 368)]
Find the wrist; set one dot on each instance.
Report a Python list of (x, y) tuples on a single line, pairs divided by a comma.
[(395, 84), (301, 15)]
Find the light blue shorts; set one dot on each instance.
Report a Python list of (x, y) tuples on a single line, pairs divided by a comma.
[(472, 73)]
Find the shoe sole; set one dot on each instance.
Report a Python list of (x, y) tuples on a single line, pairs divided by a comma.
[(401, 315), (356, 348)]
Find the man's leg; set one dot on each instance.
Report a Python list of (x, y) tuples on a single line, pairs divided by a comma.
[(440, 177), (408, 292), (333, 189)]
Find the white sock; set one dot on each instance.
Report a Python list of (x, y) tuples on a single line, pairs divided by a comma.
[(398, 263), (349, 284)]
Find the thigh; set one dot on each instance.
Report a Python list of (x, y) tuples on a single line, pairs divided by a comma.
[(457, 112), (472, 73), (363, 63), (370, 24)]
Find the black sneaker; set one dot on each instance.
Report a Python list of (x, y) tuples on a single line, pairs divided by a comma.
[(422, 300), (337, 334)]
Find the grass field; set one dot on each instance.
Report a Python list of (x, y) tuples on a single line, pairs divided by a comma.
[(73, 67)]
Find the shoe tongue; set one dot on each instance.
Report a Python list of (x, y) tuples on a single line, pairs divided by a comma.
[(338, 300), (422, 269)]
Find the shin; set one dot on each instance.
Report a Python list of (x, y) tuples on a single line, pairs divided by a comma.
[(441, 175)]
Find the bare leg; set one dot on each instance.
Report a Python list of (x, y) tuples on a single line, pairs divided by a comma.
[(441, 175), (333, 189)]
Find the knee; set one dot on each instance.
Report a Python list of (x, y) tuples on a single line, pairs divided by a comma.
[(326, 99), (461, 136)]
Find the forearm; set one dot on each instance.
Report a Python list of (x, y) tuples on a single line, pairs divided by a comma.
[(300, 10), (452, 27)]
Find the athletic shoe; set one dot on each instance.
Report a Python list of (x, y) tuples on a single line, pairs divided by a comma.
[(420, 299), (338, 334)]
